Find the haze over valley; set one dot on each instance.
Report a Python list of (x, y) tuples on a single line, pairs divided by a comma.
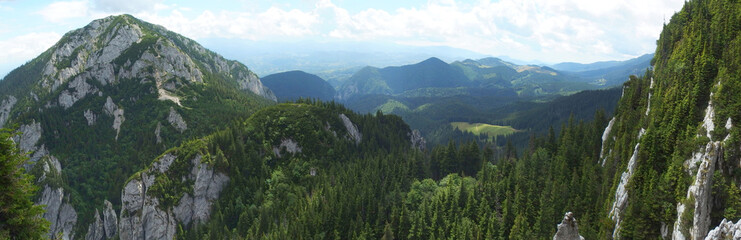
[(322, 119)]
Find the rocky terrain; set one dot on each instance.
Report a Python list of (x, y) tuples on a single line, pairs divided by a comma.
[(113, 80)]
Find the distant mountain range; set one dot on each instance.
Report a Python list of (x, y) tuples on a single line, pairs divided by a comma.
[(528, 80), (608, 73), (325, 58)]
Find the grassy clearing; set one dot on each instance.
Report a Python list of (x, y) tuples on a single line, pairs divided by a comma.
[(480, 128)]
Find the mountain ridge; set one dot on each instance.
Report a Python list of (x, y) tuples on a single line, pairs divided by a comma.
[(110, 96)]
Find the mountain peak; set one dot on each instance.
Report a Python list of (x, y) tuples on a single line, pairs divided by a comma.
[(120, 47), (432, 60), (126, 86)]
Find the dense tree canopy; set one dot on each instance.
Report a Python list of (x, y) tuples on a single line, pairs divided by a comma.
[(19, 217)]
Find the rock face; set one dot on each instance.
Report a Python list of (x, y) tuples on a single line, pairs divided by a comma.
[(606, 135), (103, 228), (290, 145), (60, 214), (702, 165), (725, 230), (95, 230), (78, 89), (111, 109), (568, 229), (141, 214), (176, 120), (352, 129), (621, 194), (208, 185), (90, 117), (157, 132), (5, 106), (30, 135), (110, 220), (114, 62), (251, 82), (417, 140)]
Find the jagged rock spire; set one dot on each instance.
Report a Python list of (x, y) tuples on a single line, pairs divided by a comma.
[(568, 229)]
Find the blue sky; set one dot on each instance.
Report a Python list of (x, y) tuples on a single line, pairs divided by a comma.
[(544, 30)]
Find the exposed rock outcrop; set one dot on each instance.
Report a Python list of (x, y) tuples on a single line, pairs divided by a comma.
[(208, 185), (110, 220), (95, 230), (111, 109), (568, 229), (250, 81), (417, 140), (352, 129), (725, 230), (5, 106), (177, 121), (290, 145), (702, 166), (78, 54), (605, 135), (30, 135), (157, 132), (90, 117), (59, 213), (78, 89), (51, 163), (105, 227), (141, 215), (621, 194)]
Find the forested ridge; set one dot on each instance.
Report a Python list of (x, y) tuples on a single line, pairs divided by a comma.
[(383, 186), (673, 133), (663, 164)]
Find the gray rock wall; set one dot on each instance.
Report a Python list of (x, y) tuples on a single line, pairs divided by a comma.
[(352, 129), (177, 121), (568, 229), (5, 107), (141, 215)]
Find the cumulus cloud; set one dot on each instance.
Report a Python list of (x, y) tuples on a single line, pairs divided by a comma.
[(270, 24), (60, 11), (129, 6), (547, 30), (583, 30), (26, 46)]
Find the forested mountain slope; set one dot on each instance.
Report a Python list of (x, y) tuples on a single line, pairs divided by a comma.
[(105, 100), (293, 85), (674, 142)]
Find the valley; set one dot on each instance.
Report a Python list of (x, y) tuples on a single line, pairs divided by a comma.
[(125, 129)]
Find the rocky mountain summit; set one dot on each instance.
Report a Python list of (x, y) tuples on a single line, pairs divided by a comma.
[(111, 96)]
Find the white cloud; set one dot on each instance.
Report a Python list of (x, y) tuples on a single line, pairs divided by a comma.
[(547, 30), (550, 30), (127, 6), (272, 23), (25, 47), (60, 11)]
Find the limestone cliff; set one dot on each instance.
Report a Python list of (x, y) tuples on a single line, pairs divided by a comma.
[(143, 215), (102, 92), (673, 144), (568, 229)]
